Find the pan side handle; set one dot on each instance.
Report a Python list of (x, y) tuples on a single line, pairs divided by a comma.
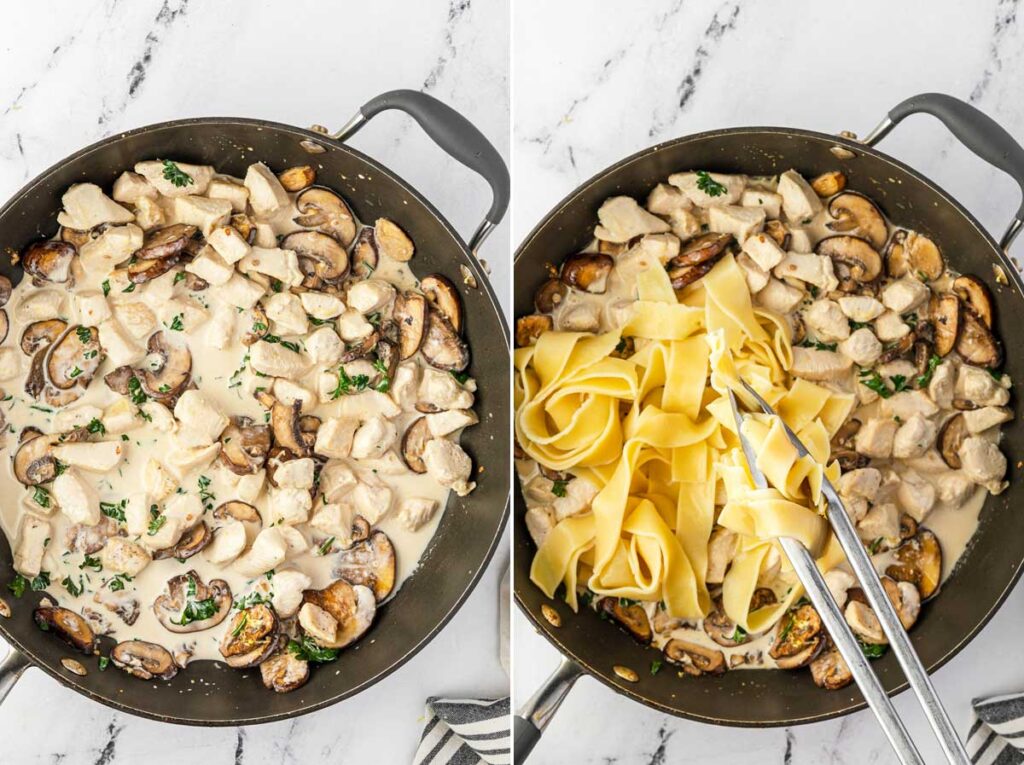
[(536, 713), (11, 669), (975, 130), (456, 135)]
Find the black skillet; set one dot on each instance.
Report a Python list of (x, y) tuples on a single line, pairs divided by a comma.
[(208, 693), (993, 562)]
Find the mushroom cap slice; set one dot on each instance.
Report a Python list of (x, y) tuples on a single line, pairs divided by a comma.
[(352, 606), (119, 379), (33, 462), (549, 295), (327, 212), (5, 325), (371, 563), (701, 249), (587, 271), (260, 325), (169, 605), (146, 270), (365, 254), (192, 541), (724, 630), (919, 561), (693, 658), (143, 660), (976, 343), (166, 242), (414, 441), (530, 328), (684, 276), (924, 257), (74, 358), (945, 316), (777, 230), (797, 638), (629, 616), (410, 313), (284, 672), (70, 627), (951, 436), (974, 293), (172, 373), (442, 347), (856, 254), (297, 178), (244, 225), (286, 421), (361, 348), (40, 334), (827, 184), (440, 291), (251, 637), (328, 258), (238, 510), (6, 288), (830, 671), (244, 445), (393, 241), (49, 261), (854, 212)]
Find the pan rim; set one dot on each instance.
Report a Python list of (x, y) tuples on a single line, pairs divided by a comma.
[(606, 677), (483, 283)]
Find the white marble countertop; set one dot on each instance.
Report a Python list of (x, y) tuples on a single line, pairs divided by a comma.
[(75, 71), (599, 80)]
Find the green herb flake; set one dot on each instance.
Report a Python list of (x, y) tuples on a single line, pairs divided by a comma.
[(925, 378), (655, 666), (104, 662), (349, 385), (106, 287), (872, 650), (176, 175), (18, 585), (325, 548), (96, 426), (307, 649), (41, 496), (177, 323), (135, 392), (156, 524), (115, 511), (129, 288), (558, 487), (178, 277), (73, 589), (91, 562), (709, 185), (461, 377), (869, 378), (738, 635)]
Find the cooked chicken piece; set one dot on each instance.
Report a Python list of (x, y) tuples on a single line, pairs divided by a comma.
[(318, 623), (266, 194), (449, 465), (130, 187), (685, 225), (898, 368), (906, 404), (981, 460), (861, 308), (856, 507), (660, 247), (827, 321), (370, 295), (582, 317), (875, 437), (915, 437), (116, 244), (941, 386), (228, 543), (201, 419), (236, 194), (440, 389), (205, 214), (954, 489), (295, 474), (809, 268), (154, 171), (285, 310), (149, 214), (722, 548), (540, 520), (274, 360), (882, 520), (579, 493), (727, 188), (665, 199), (889, 326), (373, 438), (622, 219), (978, 420), (779, 297), (414, 512), (741, 222), (86, 206), (916, 495), (812, 364), (33, 535), (864, 623), (231, 246), (336, 480), (862, 347), (288, 506), (905, 295), (122, 556), (768, 201), (764, 251), (862, 482), (288, 587), (838, 582), (757, 278), (268, 550), (371, 497), (799, 200)]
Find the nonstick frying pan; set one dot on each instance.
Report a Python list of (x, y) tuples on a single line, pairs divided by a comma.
[(991, 565), (208, 693)]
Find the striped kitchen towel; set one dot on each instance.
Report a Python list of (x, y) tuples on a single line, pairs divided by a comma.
[(997, 732), (465, 732)]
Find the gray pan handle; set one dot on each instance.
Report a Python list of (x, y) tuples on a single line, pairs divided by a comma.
[(11, 669), (975, 130), (453, 133), (536, 713)]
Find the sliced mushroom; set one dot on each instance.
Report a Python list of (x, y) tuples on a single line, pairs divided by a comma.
[(846, 433), (973, 292), (49, 261), (976, 343), (192, 282), (854, 212), (74, 358), (361, 348), (923, 257), (704, 248), (530, 328), (857, 255), (923, 352), (238, 510), (827, 184), (5, 290), (143, 660), (830, 671), (864, 623), (797, 638), (297, 178), (442, 347), (284, 672), (40, 334), (360, 529), (328, 257), (684, 276), (694, 659), (244, 445), (897, 260), (70, 627), (444, 296), (919, 561), (173, 368), (629, 616), (352, 606), (952, 435), (777, 230), (410, 313), (119, 380), (549, 296), (370, 563), (187, 588), (34, 462), (147, 269), (898, 349), (393, 241), (244, 225), (285, 420), (387, 357), (327, 213), (365, 254), (192, 541), (945, 313), (260, 326), (908, 526), (414, 441), (251, 637), (587, 271), (167, 242)]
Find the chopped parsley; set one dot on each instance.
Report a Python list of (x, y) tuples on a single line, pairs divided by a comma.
[(176, 175), (106, 287), (92, 563), (307, 650), (117, 582), (96, 426), (293, 347), (75, 372), (738, 635), (558, 487), (348, 385), (818, 346), (135, 391), (19, 584), (178, 277), (129, 288), (252, 599), (872, 650), (196, 610), (869, 378), (111, 510), (207, 496), (709, 185), (104, 662), (923, 379), (41, 496), (276, 285), (899, 383), (374, 318), (74, 589), (875, 545), (384, 383), (177, 324), (325, 547), (317, 322), (84, 335), (996, 374), (655, 666), (460, 377), (159, 519)]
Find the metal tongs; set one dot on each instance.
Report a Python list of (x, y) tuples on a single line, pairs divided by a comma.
[(810, 577)]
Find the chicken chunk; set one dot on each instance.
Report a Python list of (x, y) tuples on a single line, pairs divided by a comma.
[(827, 321), (979, 420), (373, 438), (954, 489), (727, 188), (764, 251), (890, 326), (861, 308), (757, 278), (414, 512), (722, 548), (809, 268), (875, 437), (915, 437), (154, 172), (443, 391), (449, 465), (33, 534), (741, 222), (981, 460), (862, 482), (122, 556), (905, 295), (916, 495), (579, 493), (906, 404), (779, 297), (622, 219), (979, 387), (799, 200), (941, 386), (370, 295), (540, 520), (861, 347), (812, 364), (881, 521), (665, 199), (86, 206)]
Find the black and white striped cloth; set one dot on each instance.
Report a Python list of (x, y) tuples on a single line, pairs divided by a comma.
[(997, 731), (466, 732)]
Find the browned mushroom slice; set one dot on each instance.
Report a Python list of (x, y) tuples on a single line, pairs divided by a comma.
[(445, 297), (414, 441), (919, 561), (724, 630), (370, 563), (830, 671), (5, 290), (587, 271), (244, 225), (251, 637), (238, 510), (361, 348), (628, 615), (857, 255), (530, 328), (352, 606), (75, 236), (393, 241), (855, 213), (684, 276), (146, 269), (190, 605), (797, 638), (923, 257), (191, 542), (694, 659), (329, 259), (410, 313), (34, 462), (908, 526), (297, 178), (976, 343), (360, 529), (549, 296), (49, 261), (442, 347), (74, 357), (897, 260), (167, 242), (827, 184), (777, 230), (40, 334), (284, 672), (285, 421), (119, 380), (143, 660), (327, 213), (192, 282), (365, 254), (309, 423), (945, 315), (973, 292), (35, 380), (260, 326), (70, 627), (951, 436), (244, 445), (898, 349), (845, 435), (702, 249), (923, 352), (171, 369)]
